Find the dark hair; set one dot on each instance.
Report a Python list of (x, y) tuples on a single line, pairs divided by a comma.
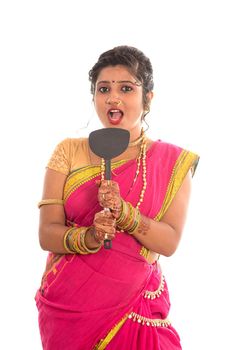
[(133, 59)]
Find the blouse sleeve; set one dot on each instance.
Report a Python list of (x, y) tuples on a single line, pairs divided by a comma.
[(60, 158)]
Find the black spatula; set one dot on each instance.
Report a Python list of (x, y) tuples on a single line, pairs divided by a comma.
[(109, 143)]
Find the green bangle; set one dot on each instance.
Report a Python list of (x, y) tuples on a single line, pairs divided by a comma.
[(66, 240), (136, 223), (83, 245)]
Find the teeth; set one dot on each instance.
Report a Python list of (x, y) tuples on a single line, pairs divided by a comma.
[(114, 110)]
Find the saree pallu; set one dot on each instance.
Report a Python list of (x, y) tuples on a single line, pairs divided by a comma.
[(113, 299)]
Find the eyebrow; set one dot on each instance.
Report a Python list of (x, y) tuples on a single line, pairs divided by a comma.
[(119, 81)]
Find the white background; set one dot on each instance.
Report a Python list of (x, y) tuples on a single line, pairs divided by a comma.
[(47, 49)]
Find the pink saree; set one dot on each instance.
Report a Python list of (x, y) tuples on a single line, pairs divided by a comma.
[(113, 299)]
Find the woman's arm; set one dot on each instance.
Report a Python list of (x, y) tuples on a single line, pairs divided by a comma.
[(52, 226), (163, 237)]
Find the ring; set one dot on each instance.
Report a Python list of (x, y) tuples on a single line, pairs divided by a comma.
[(106, 236), (103, 196)]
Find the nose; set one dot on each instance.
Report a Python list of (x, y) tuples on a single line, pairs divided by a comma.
[(113, 101)]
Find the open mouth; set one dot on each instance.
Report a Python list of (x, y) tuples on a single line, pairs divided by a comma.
[(115, 116)]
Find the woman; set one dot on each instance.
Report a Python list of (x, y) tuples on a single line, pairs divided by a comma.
[(90, 297)]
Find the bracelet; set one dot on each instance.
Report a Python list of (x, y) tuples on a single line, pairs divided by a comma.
[(123, 216), (82, 242), (136, 222), (74, 241), (76, 244), (129, 219), (71, 241), (50, 201), (66, 241)]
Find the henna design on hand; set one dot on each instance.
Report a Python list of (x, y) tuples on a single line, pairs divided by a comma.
[(109, 196)]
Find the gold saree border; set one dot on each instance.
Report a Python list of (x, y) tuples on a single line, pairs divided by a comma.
[(144, 252), (187, 160), (82, 175), (102, 344)]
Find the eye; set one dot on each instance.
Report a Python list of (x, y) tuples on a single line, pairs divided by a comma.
[(103, 89), (126, 88)]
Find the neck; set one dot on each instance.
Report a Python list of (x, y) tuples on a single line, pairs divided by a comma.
[(138, 140)]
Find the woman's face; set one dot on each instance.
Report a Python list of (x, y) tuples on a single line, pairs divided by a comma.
[(118, 100)]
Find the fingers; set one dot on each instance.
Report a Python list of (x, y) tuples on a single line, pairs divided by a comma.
[(104, 221), (104, 224), (110, 185), (101, 236), (109, 195)]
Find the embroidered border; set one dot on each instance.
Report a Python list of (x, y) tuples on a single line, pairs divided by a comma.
[(104, 342), (157, 293), (83, 175), (145, 252), (185, 161), (154, 322)]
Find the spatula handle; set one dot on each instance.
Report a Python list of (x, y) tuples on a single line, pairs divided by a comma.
[(107, 242)]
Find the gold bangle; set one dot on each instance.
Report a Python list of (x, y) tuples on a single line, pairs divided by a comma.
[(76, 243), (123, 216), (84, 246), (65, 240), (122, 213), (130, 222), (50, 201), (136, 222), (73, 241), (126, 226), (123, 223)]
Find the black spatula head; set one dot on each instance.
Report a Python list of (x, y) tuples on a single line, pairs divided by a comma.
[(109, 143)]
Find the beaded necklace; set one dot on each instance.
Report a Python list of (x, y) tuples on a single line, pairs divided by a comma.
[(141, 159)]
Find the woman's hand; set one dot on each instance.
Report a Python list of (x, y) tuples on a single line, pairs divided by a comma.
[(104, 226), (109, 196)]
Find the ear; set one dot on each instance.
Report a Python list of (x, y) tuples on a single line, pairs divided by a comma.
[(149, 96)]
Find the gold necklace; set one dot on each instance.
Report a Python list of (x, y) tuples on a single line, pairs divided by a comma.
[(137, 141)]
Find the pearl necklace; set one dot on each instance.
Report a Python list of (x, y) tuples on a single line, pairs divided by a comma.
[(141, 158)]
